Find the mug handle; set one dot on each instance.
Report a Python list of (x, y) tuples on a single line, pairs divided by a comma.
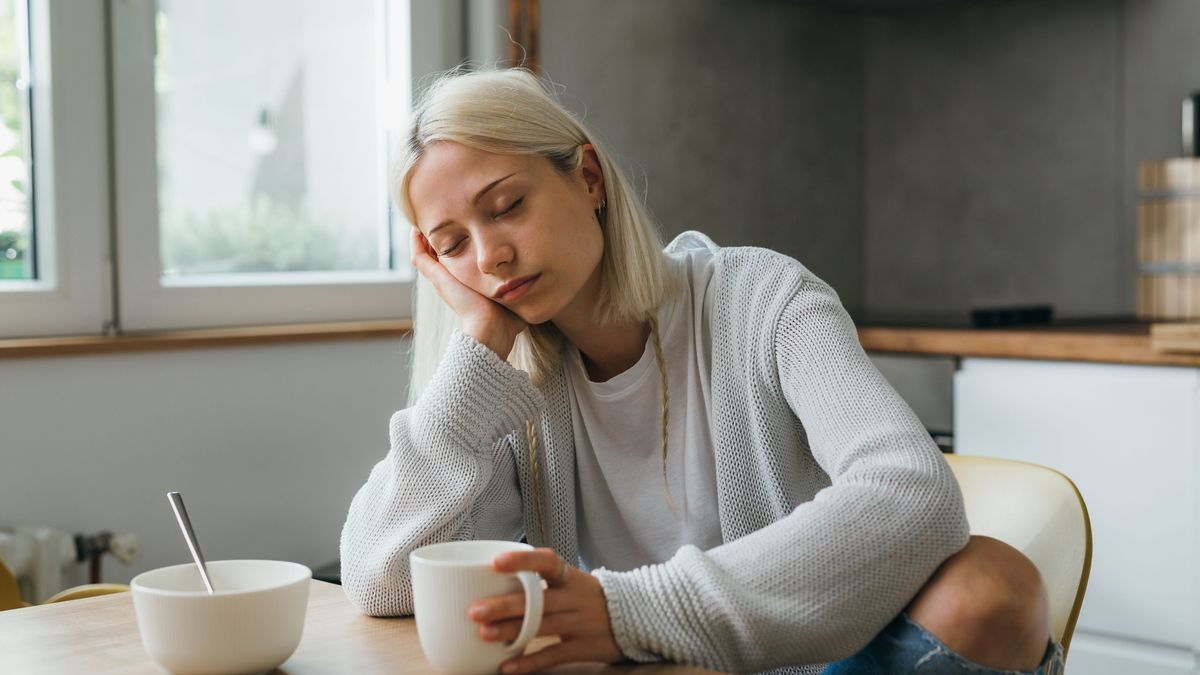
[(533, 611)]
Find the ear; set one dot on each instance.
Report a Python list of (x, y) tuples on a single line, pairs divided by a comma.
[(592, 175)]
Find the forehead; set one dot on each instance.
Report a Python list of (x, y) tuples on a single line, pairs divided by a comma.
[(446, 179)]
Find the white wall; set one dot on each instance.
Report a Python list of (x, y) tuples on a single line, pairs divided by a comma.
[(268, 445)]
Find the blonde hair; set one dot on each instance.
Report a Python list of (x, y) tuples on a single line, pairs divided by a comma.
[(512, 112)]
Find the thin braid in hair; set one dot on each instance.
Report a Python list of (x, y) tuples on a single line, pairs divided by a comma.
[(666, 406), (531, 436)]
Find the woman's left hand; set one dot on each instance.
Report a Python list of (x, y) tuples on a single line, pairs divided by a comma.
[(574, 609)]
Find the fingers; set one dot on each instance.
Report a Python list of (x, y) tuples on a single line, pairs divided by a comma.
[(558, 623), (544, 561), (563, 652), (423, 255), (426, 262), (512, 606)]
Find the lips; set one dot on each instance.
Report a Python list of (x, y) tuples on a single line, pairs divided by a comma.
[(515, 288)]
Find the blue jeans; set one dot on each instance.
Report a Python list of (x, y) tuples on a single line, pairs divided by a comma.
[(905, 647)]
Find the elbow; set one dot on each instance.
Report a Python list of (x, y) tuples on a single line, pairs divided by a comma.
[(370, 594), (945, 515)]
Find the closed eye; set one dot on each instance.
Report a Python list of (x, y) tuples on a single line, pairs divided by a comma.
[(450, 251), (511, 207)]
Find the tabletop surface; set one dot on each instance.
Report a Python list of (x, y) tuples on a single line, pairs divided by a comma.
[(100, 635)]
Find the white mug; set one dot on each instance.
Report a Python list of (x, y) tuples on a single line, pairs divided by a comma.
[(446, 580)]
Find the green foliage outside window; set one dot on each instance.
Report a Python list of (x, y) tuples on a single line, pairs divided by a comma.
[(264, 236), (14, 202)]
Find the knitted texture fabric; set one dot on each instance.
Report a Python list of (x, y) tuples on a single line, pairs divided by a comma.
[(835, 505)]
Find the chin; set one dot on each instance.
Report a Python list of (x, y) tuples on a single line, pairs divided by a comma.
[(536, 315), (535, 318)]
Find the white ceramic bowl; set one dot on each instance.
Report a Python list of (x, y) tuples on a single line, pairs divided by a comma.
[(251, 624)]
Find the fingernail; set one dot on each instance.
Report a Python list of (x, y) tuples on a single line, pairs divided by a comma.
[(477, 613), (509, 668)]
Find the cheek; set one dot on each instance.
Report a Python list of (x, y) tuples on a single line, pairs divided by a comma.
[(591, 243), (461, 269)]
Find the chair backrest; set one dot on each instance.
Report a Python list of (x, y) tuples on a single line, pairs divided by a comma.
[(10, 595), (87, 591), (1040, 512)]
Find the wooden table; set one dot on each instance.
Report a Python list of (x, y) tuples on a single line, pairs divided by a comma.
[(100, 635)]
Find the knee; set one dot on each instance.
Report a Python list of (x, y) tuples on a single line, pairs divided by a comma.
[(989, 594), (994, 587)]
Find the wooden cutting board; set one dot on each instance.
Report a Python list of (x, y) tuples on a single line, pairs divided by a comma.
[(1175, 337)]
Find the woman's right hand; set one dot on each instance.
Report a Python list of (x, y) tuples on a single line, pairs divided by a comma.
[(492, 324)]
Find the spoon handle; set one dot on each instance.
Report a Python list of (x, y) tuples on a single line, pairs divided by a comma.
[(189, 535)]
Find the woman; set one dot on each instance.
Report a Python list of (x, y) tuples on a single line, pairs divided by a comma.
[(711, 467)]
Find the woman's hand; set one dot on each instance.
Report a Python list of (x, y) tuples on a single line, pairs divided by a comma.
[(489, 322), (574, 609)]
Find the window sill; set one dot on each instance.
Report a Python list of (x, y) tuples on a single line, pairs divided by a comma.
[(202, 338)]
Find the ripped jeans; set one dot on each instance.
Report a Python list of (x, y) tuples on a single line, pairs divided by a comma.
[(905, 647)]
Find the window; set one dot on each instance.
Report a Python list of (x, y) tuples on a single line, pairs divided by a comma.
[(267, 172), (180, 163), (53, 211)]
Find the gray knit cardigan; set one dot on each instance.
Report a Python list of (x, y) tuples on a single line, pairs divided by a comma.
[(835, 505)]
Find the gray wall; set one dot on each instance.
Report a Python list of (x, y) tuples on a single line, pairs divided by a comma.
[(1002, 140), (267, 444), (744, 118), (922, 157)]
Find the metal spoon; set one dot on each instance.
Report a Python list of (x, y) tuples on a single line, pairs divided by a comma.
[(185, 524)]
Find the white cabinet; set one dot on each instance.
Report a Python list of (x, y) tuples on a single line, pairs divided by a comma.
[(1129, 436)]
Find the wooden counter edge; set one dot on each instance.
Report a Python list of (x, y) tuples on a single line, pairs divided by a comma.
[(1176, 337), (1055, 345)]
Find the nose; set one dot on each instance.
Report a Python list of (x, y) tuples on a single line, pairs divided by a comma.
[(492, 252)]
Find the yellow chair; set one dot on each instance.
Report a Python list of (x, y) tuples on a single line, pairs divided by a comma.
[(10, 595), (1040, 512), (87, 591)]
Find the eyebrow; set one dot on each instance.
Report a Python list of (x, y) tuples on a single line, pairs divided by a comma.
[(474, 202)]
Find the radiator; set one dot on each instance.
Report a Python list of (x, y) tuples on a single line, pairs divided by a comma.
[(42, 559)]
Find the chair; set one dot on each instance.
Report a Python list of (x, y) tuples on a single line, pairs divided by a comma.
[(10, 595), (87, 591), (1040, 512)]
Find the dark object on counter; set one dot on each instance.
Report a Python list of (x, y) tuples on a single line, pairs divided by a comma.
[(999, 317), (331, 573), (943, 439), (1191, 125)]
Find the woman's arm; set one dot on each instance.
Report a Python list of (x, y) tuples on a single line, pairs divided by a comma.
[(819, 583), (448, 476)]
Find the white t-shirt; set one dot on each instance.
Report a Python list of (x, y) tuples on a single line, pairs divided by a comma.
[(624, 519)]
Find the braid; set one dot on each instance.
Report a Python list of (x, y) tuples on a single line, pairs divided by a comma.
[(666, 406), (531, 436)]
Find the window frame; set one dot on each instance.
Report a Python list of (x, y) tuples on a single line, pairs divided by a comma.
[(145, 301), (70, 206)]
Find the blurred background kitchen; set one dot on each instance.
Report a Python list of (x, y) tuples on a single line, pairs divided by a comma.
[(170, 170)]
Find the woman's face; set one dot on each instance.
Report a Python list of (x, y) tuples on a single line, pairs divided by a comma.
[(512, 227)]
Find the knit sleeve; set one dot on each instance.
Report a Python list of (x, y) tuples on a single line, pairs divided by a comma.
[(819, 583), (449, 475)]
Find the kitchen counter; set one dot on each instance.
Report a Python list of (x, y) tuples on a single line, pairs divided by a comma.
[(1118, 343)]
